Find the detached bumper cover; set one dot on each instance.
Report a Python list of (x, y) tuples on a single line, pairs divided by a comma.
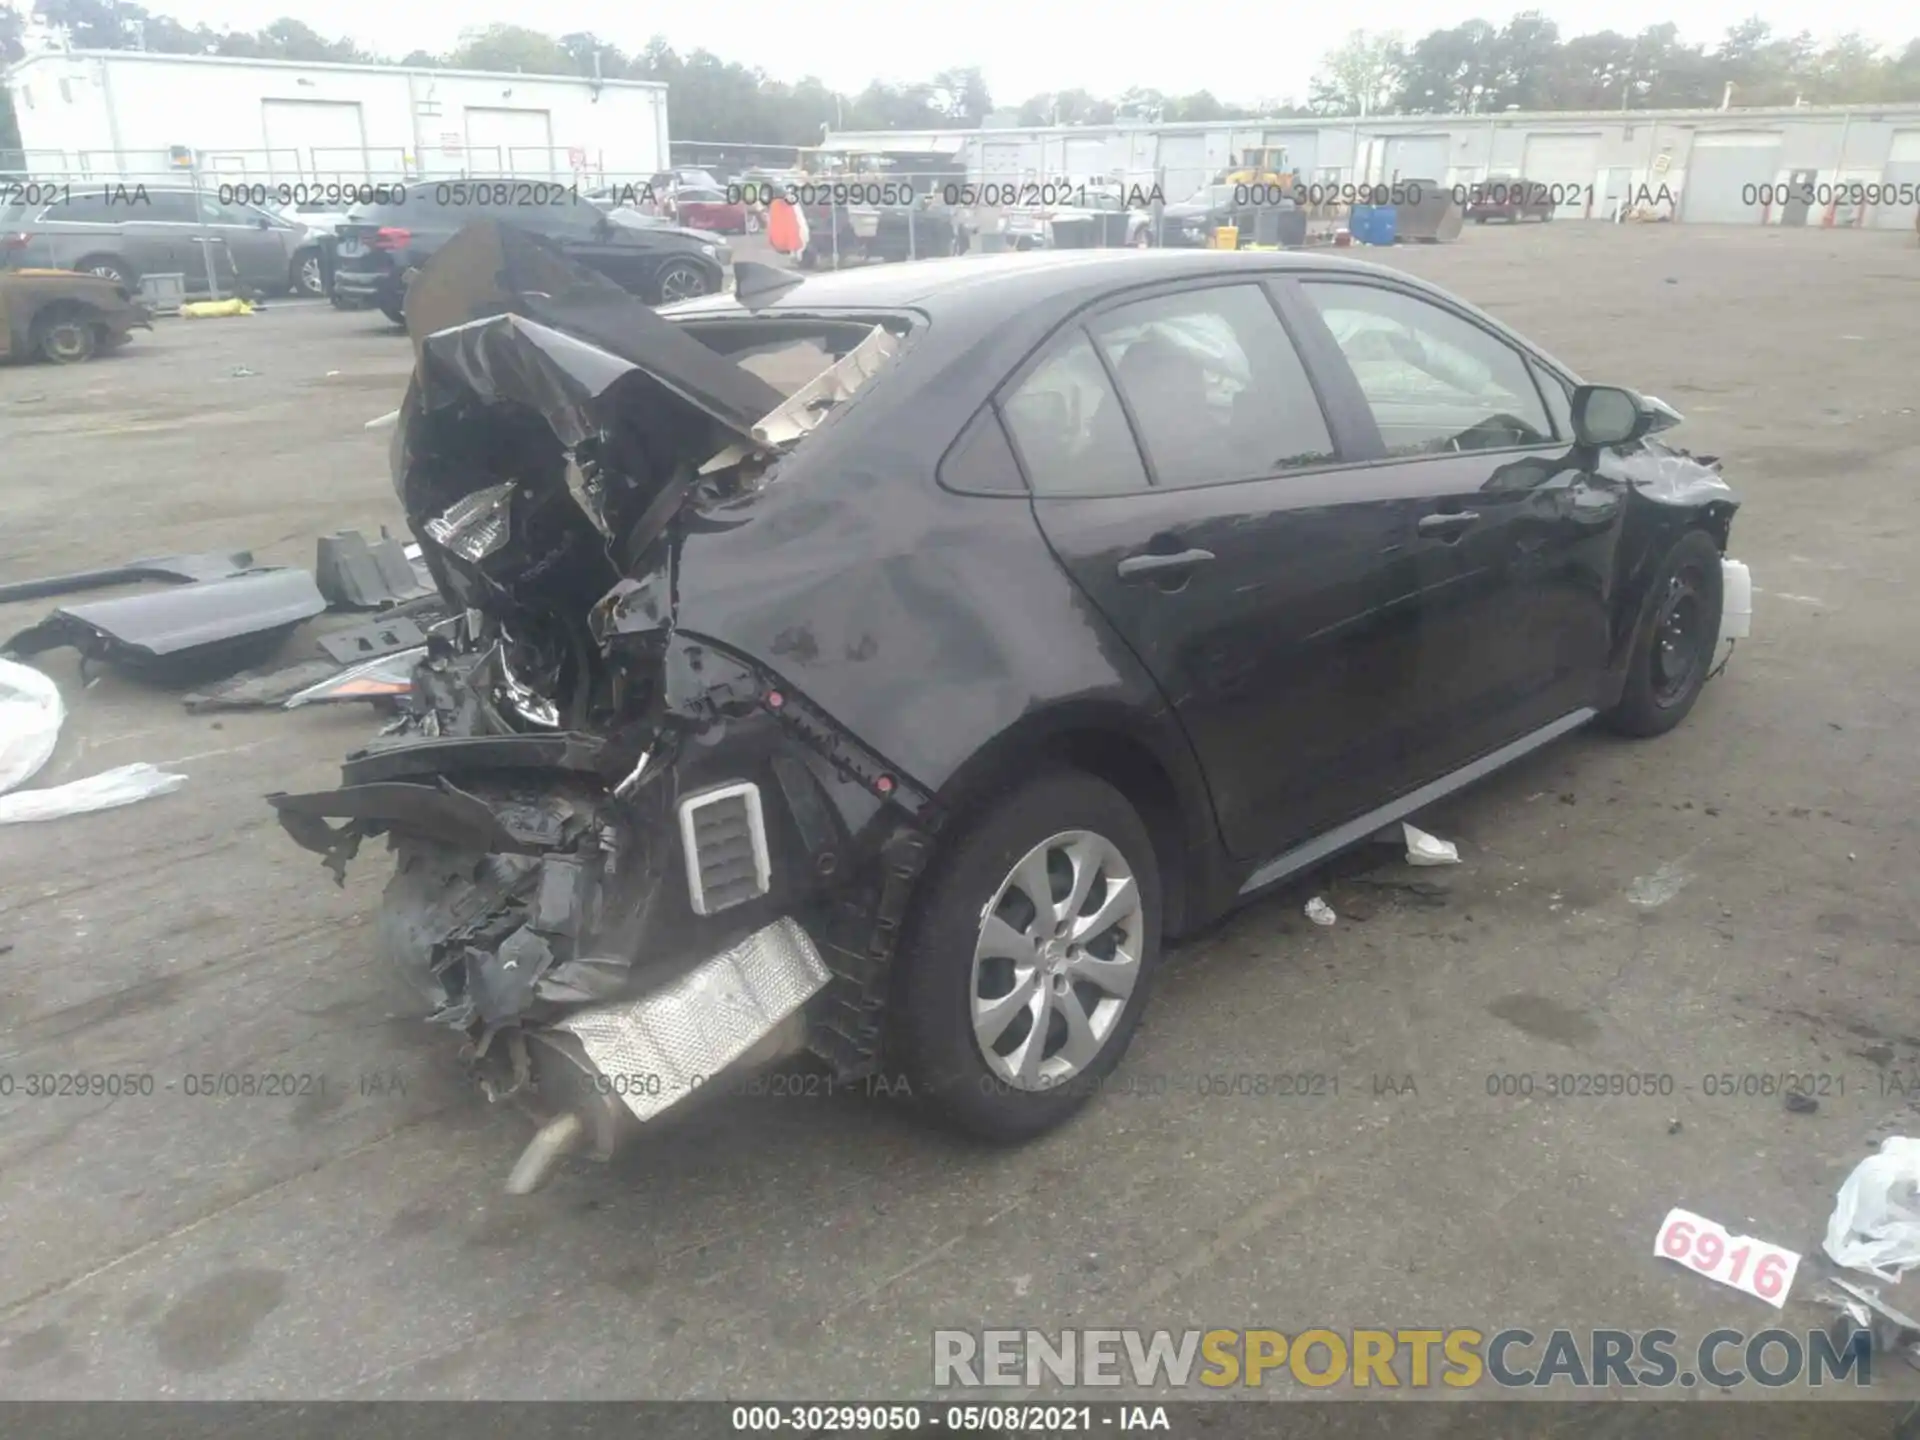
[(657, 1050)]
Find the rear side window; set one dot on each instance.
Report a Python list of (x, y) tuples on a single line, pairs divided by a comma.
[(981, 461), (1215, 386), (1435, 383), (175, 206), (1071, 432), (92, 209)]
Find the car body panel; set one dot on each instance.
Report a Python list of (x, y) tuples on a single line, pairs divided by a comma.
[(870, 623), (26, 296)]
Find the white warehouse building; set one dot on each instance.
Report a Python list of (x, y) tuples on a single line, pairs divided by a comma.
[(1705, 165), (129, 113)]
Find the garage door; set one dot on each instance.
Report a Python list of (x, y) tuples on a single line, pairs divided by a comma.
[(1724, 173), (509, 142), (1569, 165), (1416, 157), (1000, 160), (316, 139), (1903, 170), (1085, 159), (1184, 158)]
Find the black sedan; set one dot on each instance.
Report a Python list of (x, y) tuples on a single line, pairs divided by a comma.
[(380, 246), (888, 663)]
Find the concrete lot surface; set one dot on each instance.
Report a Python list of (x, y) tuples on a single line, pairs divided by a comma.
[(1734, 900)]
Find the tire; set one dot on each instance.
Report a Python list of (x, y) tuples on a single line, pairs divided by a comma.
[(680, 280), (1674, 642), (754, 223), (394, 313), (809, 259), (308, 276), (110, 267), (66, 337), (951, 959)]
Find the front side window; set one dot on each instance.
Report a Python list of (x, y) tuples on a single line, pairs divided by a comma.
[(1070, 429), (1435, 383), (1215, 386)]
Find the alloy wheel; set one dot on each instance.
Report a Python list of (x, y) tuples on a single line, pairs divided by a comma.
[(1055, 961), (310, 279), (681, 282)]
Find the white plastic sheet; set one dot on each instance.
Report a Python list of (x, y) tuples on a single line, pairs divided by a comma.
[(1425, 849), (1876, 1217), (105, 791), (30, 719)]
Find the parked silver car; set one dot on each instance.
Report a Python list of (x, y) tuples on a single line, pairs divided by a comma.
[(125, 231)]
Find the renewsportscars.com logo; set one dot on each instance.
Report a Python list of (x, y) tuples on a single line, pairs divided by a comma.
[(1394, 1359)]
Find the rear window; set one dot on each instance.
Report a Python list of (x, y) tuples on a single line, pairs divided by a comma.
[(788, 354)]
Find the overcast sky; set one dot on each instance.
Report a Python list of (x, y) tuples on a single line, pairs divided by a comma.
[(1241, 50)]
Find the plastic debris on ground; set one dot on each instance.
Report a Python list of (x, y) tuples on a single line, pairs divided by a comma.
[(390, 676), (354, 573), (1319, 912), (261, 690), (106, 791), (215, 309), (1425, 849), (1875, 1224), (31, 713)]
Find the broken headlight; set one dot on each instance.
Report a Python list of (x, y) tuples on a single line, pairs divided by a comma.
[(476, 525)]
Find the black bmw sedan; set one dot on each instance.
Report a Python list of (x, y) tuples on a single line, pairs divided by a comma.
[(887, 664)]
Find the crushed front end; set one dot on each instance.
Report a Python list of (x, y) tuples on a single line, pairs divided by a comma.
[(628, 858)]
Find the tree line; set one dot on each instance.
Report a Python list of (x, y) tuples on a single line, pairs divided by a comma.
[(1476, 66)]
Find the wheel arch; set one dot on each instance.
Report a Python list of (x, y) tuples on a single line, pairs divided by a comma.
[(1145, 758)]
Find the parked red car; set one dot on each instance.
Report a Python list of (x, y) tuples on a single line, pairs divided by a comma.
[(704, 209)]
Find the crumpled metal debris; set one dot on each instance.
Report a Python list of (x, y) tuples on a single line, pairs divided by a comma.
[(31, 713), (108, 790), (354, 573)]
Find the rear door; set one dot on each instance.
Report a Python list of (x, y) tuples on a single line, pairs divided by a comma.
[(1188, 474), (259, 252), (1514, 536)]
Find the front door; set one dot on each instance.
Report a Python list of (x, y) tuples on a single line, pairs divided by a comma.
[(1188, 475), (1514, 534)]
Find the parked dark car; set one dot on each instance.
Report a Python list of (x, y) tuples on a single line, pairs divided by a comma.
[(901, 713), (381, 245), (1190, 224), (1510, 198)]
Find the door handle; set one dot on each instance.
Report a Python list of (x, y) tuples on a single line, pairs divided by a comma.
[(1135, 566), (1447, 525)]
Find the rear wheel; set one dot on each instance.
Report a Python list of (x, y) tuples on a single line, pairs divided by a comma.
[(680, 280), (1675, 641), (109, 267), (1028, 966), (391, 309), (308, 277)]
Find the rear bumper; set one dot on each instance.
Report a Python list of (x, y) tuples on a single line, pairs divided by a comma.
[(371, 286)]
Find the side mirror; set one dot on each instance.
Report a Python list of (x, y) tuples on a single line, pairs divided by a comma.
[(263, 223), (1609, 415)]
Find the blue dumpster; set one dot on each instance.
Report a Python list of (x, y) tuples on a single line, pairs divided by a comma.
[(1386, 224), (1360, 224)]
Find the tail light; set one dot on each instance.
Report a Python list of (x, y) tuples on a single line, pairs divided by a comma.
[(15, 240), (390, 237)]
